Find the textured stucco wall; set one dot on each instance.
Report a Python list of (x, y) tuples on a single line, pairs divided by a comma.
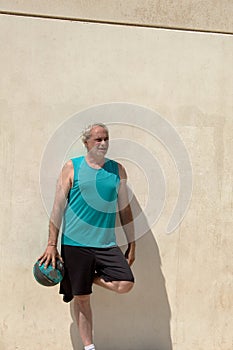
[(51, 69), (211, 15)]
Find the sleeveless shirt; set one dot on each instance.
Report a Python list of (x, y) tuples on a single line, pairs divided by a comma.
[(90, 214)]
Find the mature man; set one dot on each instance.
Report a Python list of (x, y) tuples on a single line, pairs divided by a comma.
[(89, 192)]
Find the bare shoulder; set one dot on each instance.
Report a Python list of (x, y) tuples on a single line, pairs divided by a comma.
[(68, 166), (122, 172), (67, 173)]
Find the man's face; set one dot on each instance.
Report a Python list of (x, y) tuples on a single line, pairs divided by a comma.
[(97, 144)]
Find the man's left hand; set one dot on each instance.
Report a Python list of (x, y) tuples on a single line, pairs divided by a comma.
[(130, 254)]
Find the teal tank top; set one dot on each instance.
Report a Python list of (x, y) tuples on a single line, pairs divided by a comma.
[(90, 214)]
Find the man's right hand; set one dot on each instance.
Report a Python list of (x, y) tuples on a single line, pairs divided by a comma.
[(51, 254)]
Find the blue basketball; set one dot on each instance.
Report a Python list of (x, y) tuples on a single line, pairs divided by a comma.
[(48, 277)]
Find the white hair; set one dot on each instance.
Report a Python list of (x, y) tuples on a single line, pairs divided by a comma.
[(86, 134)]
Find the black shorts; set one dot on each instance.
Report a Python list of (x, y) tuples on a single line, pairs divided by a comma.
[(81, 265)]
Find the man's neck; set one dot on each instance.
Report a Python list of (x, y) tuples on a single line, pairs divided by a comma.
[(95, 162)]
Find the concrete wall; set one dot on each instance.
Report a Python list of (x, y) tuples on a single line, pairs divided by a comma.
[(52, 69), (214, 16)]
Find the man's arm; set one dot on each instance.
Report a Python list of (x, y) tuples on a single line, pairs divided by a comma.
[(126, 216), (63, 187)]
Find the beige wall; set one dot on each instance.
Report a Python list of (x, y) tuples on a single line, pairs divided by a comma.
[(211, 15), (52, 69)]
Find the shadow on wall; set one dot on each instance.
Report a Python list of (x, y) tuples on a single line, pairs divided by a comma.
[(137, 320)]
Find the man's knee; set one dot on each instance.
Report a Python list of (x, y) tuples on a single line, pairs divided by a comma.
[(124, 287), (82, 299)]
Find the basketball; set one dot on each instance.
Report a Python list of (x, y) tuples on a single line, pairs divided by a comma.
[(48, 277)]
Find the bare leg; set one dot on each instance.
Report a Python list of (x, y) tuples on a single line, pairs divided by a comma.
[(115, 286), (83, 315)]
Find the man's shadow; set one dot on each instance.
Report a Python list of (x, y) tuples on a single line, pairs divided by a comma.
[(137, 320)]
